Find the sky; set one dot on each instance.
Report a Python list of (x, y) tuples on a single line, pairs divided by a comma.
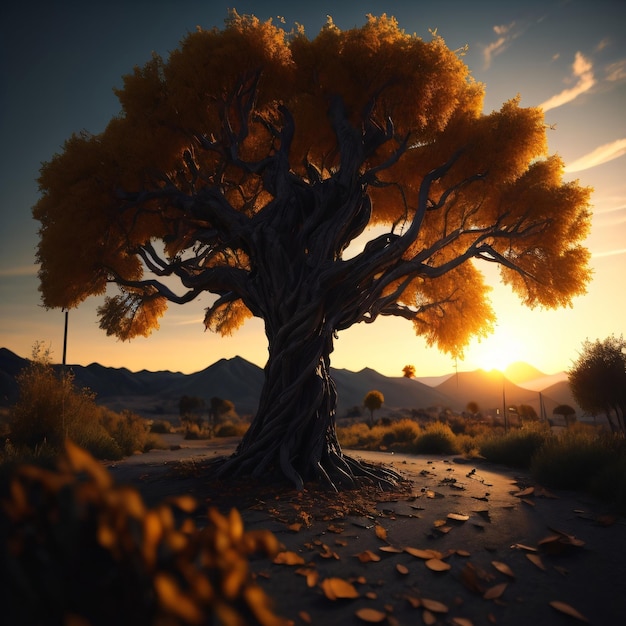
[(59, 63)]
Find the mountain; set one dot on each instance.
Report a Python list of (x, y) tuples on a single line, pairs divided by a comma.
[(156, 394)]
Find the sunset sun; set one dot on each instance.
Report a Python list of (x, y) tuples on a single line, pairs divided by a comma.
[(497, 351)]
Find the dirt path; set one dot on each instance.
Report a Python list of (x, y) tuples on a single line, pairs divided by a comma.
[(501, 535)]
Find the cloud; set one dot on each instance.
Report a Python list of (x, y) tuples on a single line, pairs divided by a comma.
[(21, 270), (616, 72), (597, 255), (582, 72), (505, 36), (602, 154)]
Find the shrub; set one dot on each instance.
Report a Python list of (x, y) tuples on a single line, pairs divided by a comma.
[(437, 438), (231, 429), (161, 427), (571, 460), (78, 549), (517, 447)]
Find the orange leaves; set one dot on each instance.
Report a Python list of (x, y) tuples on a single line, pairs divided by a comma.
[(565, 608), (337, 589), (371, 616), (288, 558)]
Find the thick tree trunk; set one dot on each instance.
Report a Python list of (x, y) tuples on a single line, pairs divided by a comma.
[(294, 431)]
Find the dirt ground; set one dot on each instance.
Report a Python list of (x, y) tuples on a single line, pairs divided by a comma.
[(469, 543)]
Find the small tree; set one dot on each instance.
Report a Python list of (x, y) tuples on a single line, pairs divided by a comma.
[(526, 413), (372, 402), (472, 408), (190, 409), (408, 371), (567, 412), (598, 379)]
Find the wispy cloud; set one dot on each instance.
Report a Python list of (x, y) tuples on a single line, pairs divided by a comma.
[(582, 73), (602, 154), (616, 72), (21, 270), (505, 35), (597, 255)]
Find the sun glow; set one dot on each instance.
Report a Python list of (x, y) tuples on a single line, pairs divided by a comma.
[(496, 352)]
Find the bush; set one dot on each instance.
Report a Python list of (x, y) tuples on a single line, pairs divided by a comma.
[(571, 460), (161, 427), (78, 549), (437, 438), (517, 447), (231, 429)]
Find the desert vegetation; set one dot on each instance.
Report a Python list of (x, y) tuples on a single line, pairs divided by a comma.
[(51, 409)]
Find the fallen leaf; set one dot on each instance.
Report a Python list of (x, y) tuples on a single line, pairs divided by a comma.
[(525, 492), (463, 553), (381, 533), (413, 601), (437, 565), (335, 529), (428, 617), (503, 568), (338, 588), (458, 517), (368, 556), (305, 617), (439, 522), (371, 595), (522, 546), (462, 621), (391, 549), (536, 560), (372, 616), (288, 558), (423, 554), (495, 592), (295, 527), (434, 605), (402, 569), (568, 610)]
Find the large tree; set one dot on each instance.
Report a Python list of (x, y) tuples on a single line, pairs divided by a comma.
[(247, 163)]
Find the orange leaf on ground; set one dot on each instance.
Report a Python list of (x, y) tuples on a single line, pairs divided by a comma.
[(525, 492), (288, 558), (495, 592), (402, 569), (424, 554), (568, 610), (434, 605), (305, 617), (391, 549), (437, 565), (503, 568), (463, 553), (338, 588), (381, 533), (368, 556), (536, 560), (461, 621), (458, 517), (428, 617), (372, 616)]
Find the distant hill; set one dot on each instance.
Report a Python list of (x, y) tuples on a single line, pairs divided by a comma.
[(156, 394)]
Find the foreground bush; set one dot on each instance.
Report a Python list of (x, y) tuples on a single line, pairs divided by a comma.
[(77, 549), (437, 438)]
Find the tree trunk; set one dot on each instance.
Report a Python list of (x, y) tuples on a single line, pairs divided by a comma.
[(294, 431)]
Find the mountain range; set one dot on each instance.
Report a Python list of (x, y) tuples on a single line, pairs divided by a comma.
[(156, 394)]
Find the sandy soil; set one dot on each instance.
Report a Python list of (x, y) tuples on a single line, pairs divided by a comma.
[(558, 547)]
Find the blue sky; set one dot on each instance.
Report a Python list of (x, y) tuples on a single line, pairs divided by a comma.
[(60, 61)]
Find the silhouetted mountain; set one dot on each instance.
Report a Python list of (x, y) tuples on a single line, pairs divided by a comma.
[(520, 372), (154, 394)]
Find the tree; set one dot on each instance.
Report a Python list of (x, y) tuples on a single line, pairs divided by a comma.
[(472, 408), (408, 371), (526, 413), (567, 412), (246, 164), (372, 402), (598, 379)]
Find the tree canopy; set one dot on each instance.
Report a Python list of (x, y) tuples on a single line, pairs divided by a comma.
[(247, 163), (598, 379)]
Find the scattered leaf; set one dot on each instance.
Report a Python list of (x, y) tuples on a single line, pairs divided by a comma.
[(495, 592), (295, 527), (525, 492), (381, 533), (439, 522), (503, 568), (535, 559), (423, 554), (391, 549), (305, 617), (463, 553), (371, 616), (368, 556), (568, 610), (458, 517), (371, 595), (462, 621), (522, 546), (402, 569), (437, 565), (434, 605), (288, 558), (428, 617), (338, 588)]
